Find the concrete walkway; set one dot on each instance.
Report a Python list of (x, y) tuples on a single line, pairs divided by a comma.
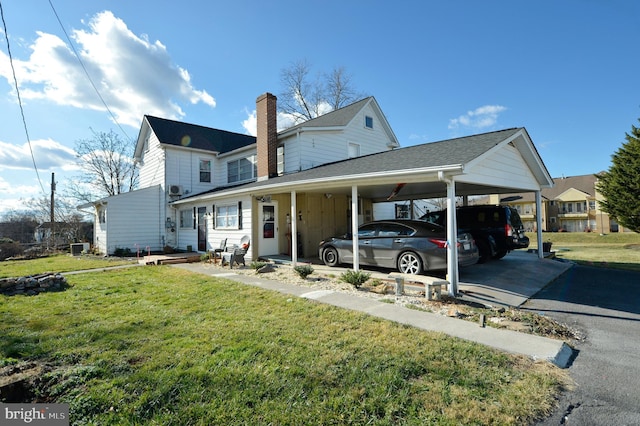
[(510, 287)]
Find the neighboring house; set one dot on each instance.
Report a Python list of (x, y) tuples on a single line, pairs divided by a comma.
[(571, 205)]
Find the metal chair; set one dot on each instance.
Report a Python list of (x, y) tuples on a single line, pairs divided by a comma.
[(218, 251)]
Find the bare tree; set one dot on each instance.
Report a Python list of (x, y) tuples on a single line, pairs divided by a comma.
[(18, 225), (441, 203), (340, 90), (107, 163), (69, 225), (305, 97)]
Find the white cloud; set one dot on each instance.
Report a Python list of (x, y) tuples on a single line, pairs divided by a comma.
[(480, 118), (16, 192), (48, 154), (250, 124), (133, 75)]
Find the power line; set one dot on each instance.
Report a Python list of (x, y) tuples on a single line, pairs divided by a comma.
[(15, 82), (87, 72)]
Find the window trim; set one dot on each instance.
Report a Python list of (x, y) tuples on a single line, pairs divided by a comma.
[(254, 169), (237, 217), (182, 215), (202, 161), (368, 119)]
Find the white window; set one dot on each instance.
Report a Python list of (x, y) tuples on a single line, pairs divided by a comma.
[(227, 216), (186, 218), (368, 122), (354, 150), (102, 215), (402, 211), (592, 205), (205, 170), (280, 159), (241, 170)]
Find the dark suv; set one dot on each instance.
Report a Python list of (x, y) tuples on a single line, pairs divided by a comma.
[(496, 229)]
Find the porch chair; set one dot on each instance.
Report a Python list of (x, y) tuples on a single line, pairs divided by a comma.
[(236, 254), (217, 253)]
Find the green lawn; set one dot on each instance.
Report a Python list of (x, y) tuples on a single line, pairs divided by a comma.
[(612, 250), (160, 345), (60, 263)]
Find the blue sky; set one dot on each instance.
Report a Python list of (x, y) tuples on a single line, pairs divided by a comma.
[(566, 70)]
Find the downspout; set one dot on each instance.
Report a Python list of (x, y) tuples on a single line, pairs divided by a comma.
[(452, 235), (539, 223)]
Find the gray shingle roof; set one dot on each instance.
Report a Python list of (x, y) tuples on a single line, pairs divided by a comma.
[(337, 118), (457, 151), (198, 137), (434, 154)]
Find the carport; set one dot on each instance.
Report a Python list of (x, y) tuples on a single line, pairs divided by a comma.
[(499, 162)]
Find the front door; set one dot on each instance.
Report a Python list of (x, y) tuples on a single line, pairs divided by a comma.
[(268, 232), (202, 229)]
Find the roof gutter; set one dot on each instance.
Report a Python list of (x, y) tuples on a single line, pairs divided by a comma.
[(317, 183)]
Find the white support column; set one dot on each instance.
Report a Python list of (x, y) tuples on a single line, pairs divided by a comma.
[(354, 227), (294, 229), (539, 223), (452, 239)]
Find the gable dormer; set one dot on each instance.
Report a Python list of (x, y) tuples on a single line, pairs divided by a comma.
[(352, 131)]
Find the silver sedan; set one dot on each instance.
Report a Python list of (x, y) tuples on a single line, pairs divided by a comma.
[(409, 246)]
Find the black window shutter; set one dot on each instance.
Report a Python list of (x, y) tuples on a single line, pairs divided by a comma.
[(194, 218), (213, 221), (239, 214)]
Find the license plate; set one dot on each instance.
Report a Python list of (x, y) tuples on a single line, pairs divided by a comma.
[(467, 246)]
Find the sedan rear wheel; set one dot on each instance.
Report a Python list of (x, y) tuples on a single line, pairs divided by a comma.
[(409, 263), (330, 256)]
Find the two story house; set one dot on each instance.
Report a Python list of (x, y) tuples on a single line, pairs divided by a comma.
[(286, 191), (179, 160)]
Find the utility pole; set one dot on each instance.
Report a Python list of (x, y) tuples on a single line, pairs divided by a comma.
[(52, 215)]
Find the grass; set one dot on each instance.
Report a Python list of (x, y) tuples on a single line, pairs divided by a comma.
[(160, 345), (59, 263), (617, 250)]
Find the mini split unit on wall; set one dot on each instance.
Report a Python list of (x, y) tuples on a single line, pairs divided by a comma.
[(175, 189)]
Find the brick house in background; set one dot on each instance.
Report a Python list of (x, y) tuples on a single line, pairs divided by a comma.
[(571, 205)]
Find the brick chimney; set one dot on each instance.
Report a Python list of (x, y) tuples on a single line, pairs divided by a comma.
[(267, 138)]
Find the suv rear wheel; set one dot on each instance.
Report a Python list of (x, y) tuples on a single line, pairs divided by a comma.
[(484, 251), (500, 254)]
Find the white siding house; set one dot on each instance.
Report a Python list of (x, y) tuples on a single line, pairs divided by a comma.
[(356, 130), (130, 221), (181, 160)]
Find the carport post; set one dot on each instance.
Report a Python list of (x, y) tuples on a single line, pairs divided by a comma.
[(452, 239), (354, 227), (452, 235), (294, 230), (539, 223)]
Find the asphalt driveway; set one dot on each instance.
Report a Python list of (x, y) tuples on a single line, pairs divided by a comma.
[(605, 305)]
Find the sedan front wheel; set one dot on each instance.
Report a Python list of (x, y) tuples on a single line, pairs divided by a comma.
[(409, 263), (330, 256)]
